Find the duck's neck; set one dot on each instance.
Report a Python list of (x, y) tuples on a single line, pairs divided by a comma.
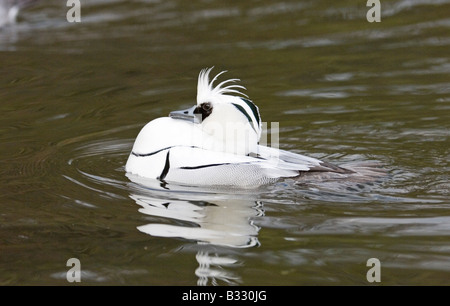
[(232, 137)]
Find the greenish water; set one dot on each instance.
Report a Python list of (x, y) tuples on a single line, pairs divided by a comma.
[(74, 96)]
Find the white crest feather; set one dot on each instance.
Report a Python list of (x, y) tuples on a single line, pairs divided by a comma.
[(206, 91)]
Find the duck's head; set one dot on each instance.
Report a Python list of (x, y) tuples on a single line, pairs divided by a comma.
[(230, 123)]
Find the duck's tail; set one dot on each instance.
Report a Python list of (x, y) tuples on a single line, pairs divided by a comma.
[(357, 172)]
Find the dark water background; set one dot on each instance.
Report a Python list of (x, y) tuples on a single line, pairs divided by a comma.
[(74, 96)]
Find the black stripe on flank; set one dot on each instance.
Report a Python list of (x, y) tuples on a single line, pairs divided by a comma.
[(152, 153), (242, 110), (254, 155), (202, 166), (254, 109), (149, 154), (166, 168)]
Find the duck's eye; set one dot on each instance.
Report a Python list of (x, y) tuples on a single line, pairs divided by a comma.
[(207, 107)]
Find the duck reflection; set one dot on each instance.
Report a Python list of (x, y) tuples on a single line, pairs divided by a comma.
[(205, 216), (212, 268), (9, 9)]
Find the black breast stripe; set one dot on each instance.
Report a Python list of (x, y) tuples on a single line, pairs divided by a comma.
[(166, 168)]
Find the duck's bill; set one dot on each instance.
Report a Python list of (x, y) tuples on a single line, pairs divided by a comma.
[(187, 114)]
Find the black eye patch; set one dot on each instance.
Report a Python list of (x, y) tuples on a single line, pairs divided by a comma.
[(205, 109)]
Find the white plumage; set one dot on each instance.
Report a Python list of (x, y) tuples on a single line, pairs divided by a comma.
[(215, 143)]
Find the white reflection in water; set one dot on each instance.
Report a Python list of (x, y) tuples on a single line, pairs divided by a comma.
[(211, 267), (225, 223), (205, 216)]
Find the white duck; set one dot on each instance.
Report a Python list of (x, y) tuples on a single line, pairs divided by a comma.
[(215, 142)]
